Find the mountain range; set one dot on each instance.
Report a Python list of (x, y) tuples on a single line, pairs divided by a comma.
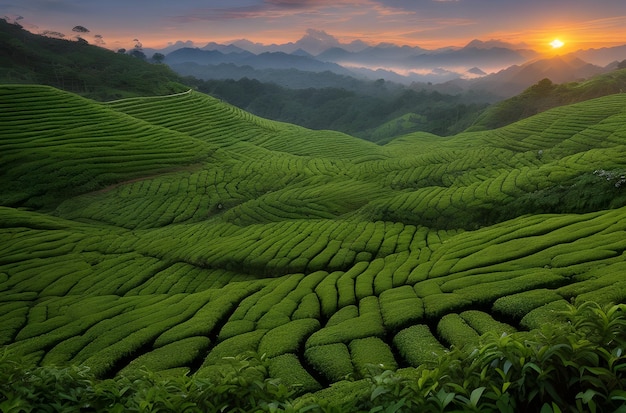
[(493, 66)]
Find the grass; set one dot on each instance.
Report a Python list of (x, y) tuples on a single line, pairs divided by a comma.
[(173, 232)]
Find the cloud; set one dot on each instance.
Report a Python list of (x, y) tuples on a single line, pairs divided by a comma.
[(296, 4), (270, 9), (55, 6)]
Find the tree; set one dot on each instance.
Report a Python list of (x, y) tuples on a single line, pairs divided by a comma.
[(13, 20), (138, 54), (158, 57), (121, 51), (51, 33), (80, 29)]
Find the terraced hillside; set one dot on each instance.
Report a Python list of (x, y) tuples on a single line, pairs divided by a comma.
[(172, 232)]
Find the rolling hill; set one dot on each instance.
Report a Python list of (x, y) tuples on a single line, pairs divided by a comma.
[(78, 67), (172, 232), (546, 95)]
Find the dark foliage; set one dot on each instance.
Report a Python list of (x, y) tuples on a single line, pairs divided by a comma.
[(78, 67), (358, 113)]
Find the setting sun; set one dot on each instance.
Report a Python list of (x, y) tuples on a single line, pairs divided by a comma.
[(556, 43)]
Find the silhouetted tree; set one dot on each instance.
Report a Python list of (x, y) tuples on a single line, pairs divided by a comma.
[(99, 40), (51, 33), (121, 51), (158, 57), (80, 29), (13, 20), (138, 54)]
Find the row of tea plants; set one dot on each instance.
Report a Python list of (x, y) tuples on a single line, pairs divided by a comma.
[(578, 365)]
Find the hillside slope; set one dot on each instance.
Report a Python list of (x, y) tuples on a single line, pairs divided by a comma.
[(222, 232), (77, 67), (546, 95)]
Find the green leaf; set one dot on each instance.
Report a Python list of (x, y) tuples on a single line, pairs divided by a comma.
[(618, 395), (547, 408), (507, 366), (476, 394), (396, 406), (378, 391), (587, 395), (444, 397)]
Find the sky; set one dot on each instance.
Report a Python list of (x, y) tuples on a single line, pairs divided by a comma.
[(431, 24)]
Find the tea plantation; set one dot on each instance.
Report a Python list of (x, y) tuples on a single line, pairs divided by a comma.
[(175, 233)]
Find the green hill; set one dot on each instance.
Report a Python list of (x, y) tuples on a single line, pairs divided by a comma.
[(172, 232), (78, 67), (546, 95)]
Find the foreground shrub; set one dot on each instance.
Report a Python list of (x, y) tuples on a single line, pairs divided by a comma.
[(571, 367), (243, 386), (575, 366)]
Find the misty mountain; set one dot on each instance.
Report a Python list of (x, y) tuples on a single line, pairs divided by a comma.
[(313, 42), (266, 60), (195, 55), (522, 49), (515, 79), (468, 57), (488, 55), (513, 67), (289, 78), (436, 75), (384, 54), (603, 56), (228, 48)]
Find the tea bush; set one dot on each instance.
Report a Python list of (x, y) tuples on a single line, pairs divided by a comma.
[(578, 365)]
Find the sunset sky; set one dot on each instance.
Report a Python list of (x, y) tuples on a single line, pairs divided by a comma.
[(580, 24)]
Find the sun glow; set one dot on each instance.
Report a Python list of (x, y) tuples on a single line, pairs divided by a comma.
[(556, 44)]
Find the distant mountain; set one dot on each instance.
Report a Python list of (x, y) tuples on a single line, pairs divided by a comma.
[(301, 52), (267, 60), (603, 56), (170, 48), (230, 48), (515, 79), (513, 67), (313, 42), (200, 56), (288, 78), (476, 71), (416, 59), (487, 59), (490, 44), (522, 48)]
